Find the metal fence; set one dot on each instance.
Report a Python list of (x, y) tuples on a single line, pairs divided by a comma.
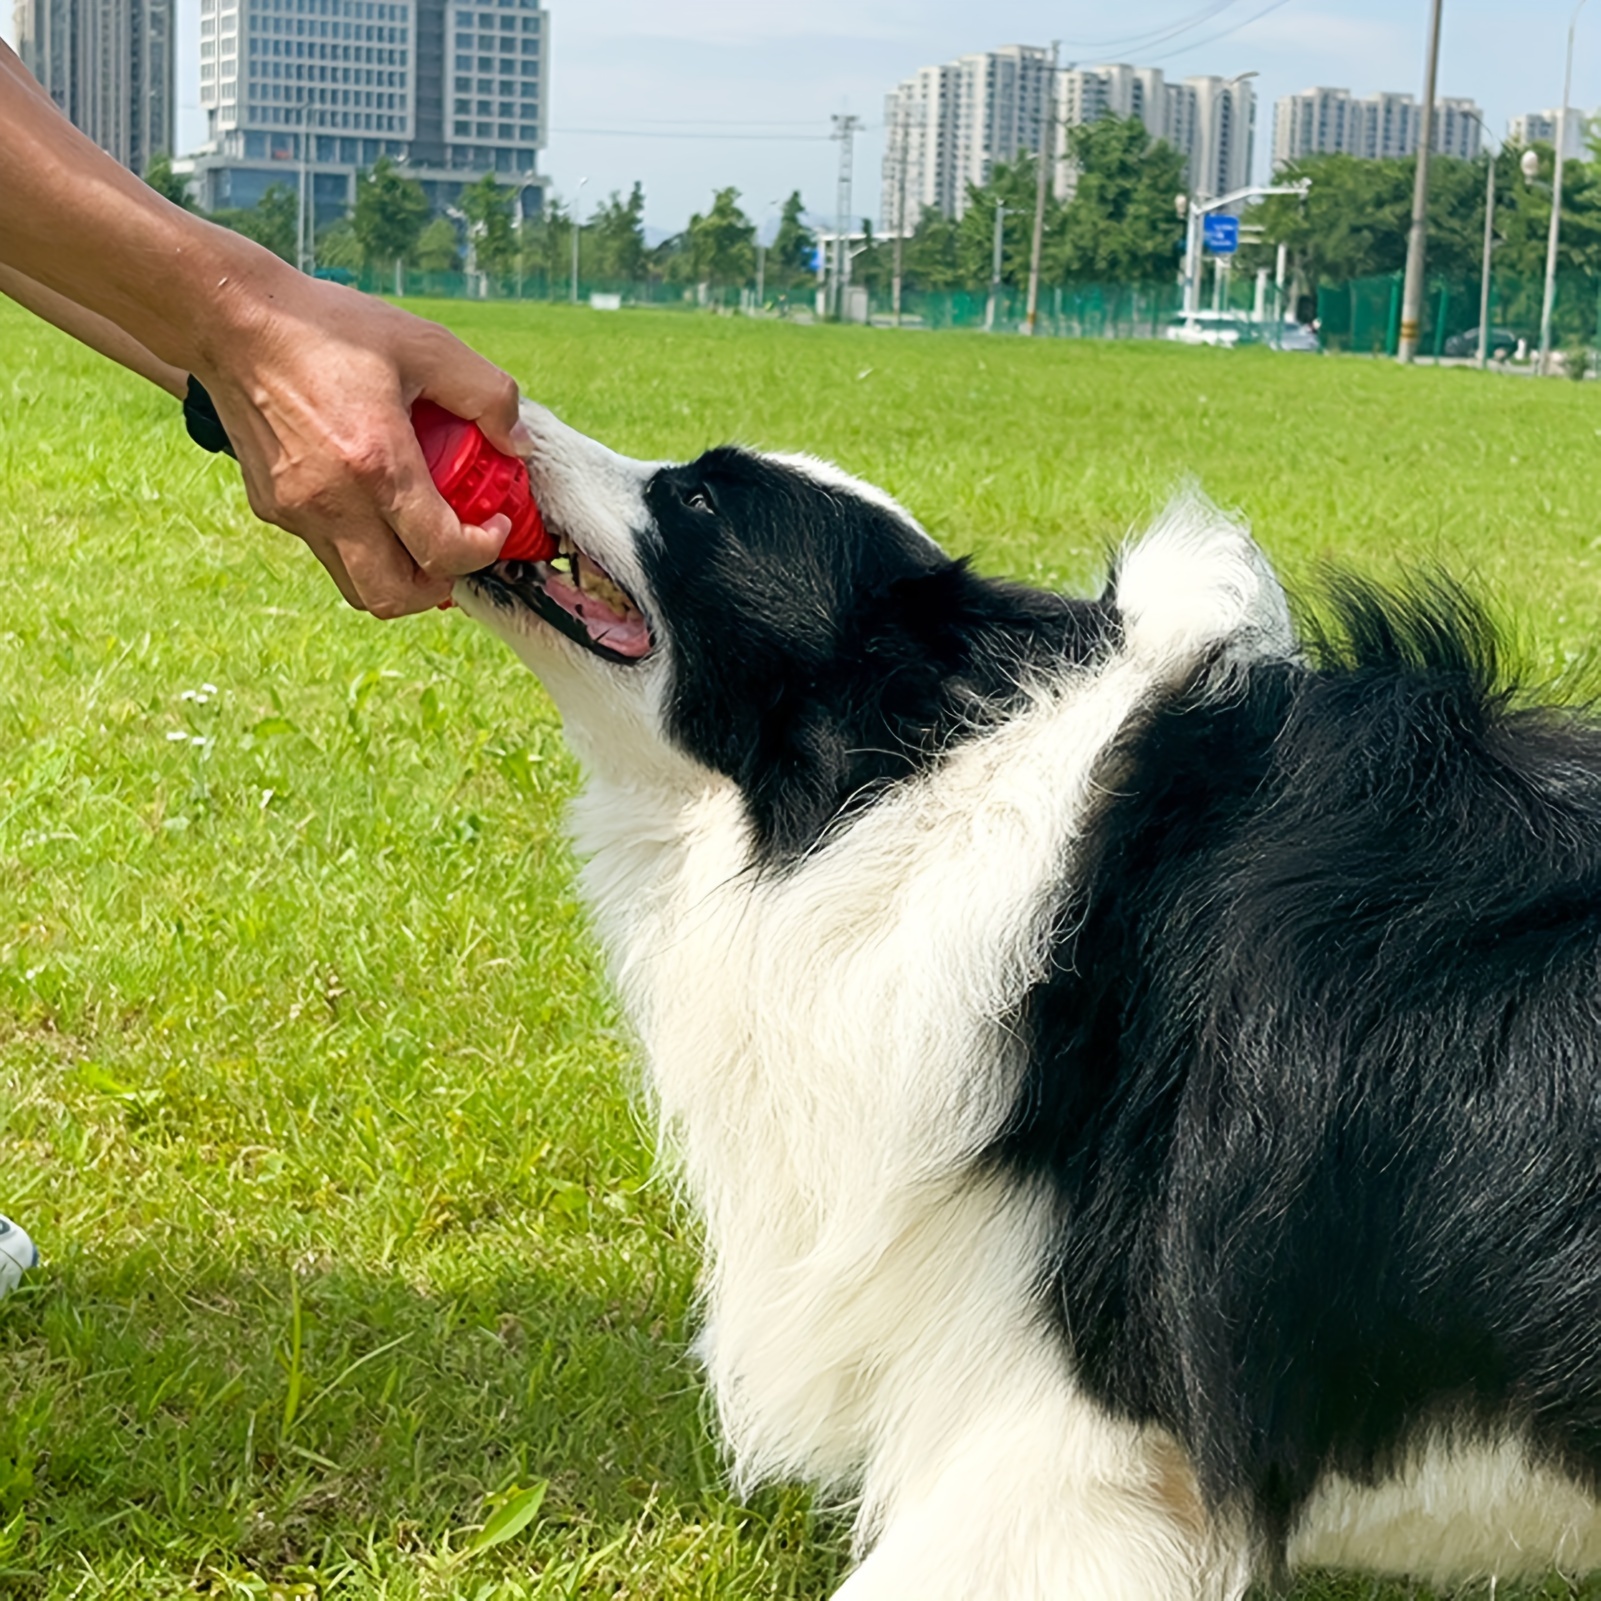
[(1079, 311), (1365, 315)]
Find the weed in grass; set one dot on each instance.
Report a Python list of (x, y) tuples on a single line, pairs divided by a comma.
[(310, 1088)]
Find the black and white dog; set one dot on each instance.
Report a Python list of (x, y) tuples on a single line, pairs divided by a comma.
[(1138, 1072)]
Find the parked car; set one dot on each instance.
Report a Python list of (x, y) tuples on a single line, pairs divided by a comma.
[(1224, 329), (1227, 329), (1293, 335), (1503, 342)]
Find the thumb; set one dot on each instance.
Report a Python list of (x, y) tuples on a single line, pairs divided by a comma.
[(476, 389)]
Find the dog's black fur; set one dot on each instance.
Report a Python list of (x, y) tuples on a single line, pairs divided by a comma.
[(863, 651), (1317, 1078)]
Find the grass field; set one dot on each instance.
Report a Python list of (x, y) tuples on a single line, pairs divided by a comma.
[(310, 1088)]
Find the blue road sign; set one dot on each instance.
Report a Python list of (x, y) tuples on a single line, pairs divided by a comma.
[(1222, 234)]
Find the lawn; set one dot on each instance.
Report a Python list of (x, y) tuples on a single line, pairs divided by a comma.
[(310, 1086)]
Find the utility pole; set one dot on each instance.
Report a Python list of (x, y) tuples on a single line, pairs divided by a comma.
[(1554, 240), (304, 184), (577, 229), (1417, 244), (1047, 163), (902, 131), (845, 130), (995, 276)]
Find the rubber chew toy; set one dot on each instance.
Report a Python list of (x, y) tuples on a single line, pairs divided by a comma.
[(477, 481)]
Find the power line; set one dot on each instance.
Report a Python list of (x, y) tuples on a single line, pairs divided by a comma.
[(1153, 36), (725, 122), (1201, 44), (728, 138)]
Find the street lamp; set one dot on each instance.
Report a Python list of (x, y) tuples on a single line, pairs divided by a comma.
[(1193, 213), (761, 259), (578, 195), (524, 184), (1488, 264), (1554, 240), (470, 229), (1001, 208)]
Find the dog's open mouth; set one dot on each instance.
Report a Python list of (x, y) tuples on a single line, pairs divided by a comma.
[(577, 597)]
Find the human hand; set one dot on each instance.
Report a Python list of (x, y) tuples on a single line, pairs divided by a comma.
[(314, 384)]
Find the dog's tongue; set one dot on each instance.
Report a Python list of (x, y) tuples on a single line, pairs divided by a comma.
[(478, 482)]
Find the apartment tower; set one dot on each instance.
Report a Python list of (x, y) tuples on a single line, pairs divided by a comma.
[(109, 65), (452, 88)]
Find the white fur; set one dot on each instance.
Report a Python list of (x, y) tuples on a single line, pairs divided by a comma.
[(828, 1051), (1458, 1510)]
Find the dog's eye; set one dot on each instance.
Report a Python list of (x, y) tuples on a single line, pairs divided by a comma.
[(699, 500)]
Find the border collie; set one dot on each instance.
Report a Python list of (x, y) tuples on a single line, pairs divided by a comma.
[(1137, 1071)]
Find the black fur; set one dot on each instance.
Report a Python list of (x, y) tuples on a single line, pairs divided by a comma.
[(1317, 1073), (863, 652)]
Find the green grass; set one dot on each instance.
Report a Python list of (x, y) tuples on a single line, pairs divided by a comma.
[(310, 1086)]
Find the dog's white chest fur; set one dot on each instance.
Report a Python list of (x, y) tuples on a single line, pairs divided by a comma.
[(828, 1048)]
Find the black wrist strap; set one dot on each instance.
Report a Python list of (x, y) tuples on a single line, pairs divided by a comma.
[(201, 419)]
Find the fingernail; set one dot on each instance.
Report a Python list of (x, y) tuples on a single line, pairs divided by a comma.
[(500, 526), (523, 438)]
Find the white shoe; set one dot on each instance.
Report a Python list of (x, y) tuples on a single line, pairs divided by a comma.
[(17, 1254)]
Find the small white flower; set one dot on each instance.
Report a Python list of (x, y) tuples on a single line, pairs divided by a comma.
[(189, 694), (176, 737), (211, 689)]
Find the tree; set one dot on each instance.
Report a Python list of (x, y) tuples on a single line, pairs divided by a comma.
[(274, 221), (1121, 226), (487, 206), (391, 210), (160, 176), (338, 246), (929, 258), (544, 244), (1354, 220), (616, 238), (791, 261), (720, 248), (438, 249), (1014, 185)]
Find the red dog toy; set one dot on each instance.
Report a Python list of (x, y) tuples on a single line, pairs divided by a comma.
[(477, 481)]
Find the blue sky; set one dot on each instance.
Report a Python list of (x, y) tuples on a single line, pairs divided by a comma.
[(688, 95)]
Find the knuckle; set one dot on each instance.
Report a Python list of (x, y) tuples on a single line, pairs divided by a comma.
[(368, 460), (506, 392), (386, 608)]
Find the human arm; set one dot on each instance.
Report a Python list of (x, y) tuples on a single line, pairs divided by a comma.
[(313, 382)]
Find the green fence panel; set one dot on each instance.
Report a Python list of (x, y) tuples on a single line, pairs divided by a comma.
[(1362, 317)]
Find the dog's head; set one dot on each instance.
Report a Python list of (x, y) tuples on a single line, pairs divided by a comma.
[(766, 617)]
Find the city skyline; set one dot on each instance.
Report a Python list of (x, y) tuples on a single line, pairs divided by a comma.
[(109, 65), (699, 94)]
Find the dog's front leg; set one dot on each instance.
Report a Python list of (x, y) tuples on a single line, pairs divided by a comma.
[(1019, 1520)]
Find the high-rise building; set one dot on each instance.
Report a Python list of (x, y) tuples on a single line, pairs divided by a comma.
[(1224, 140), (1335, 122), (1210, 121), (452, 88), (109, 65), (1540, 128), (949, 125)]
